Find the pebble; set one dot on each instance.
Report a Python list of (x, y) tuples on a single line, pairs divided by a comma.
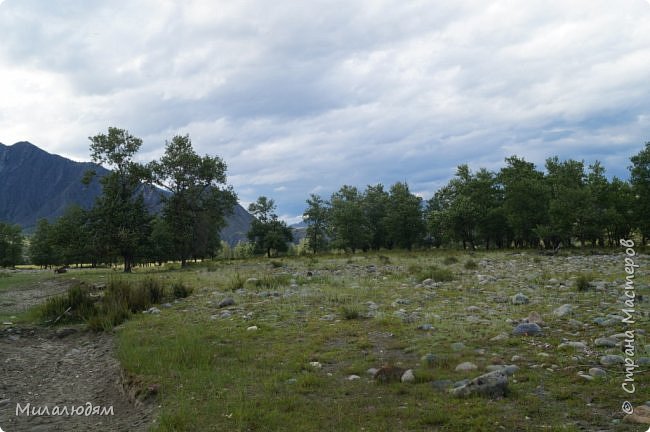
[(466, 367), (315, 364), (574, 345), (425, 327), (597, 372), (527, 329), (492, 385), (458, 346), (226, 302), (152, 310), (353, 377), (563, 310), (408, 376), (372, 371), (252, 328), (535, 318), (519, 299), (605, 342), (609, 360), (500, 337)]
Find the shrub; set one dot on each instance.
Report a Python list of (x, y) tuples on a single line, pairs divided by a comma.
[(450, 260), (180, 290), (153, 289), (75, 306), (351, 312), (236, 282), (437, 274), (583, 282), (276, 264), (471, 265)]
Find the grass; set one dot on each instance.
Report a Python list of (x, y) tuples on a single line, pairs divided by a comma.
[(214, 374)]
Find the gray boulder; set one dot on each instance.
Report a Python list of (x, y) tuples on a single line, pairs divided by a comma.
[(492, 385)]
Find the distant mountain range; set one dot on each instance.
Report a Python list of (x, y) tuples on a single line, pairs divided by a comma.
[(35, 184)]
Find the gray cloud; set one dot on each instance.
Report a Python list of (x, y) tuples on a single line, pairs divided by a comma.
[(302, 97)]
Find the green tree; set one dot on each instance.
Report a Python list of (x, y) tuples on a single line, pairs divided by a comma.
[(525, 201), (640, 180), (267, 232), (317, 218), (404, 219), (71, 237), (161, 242), (42, 249), (375, 207), (196, 211), (11, 245), (121, 220), (348, 222)]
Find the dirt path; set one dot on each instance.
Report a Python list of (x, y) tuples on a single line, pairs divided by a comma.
[(69, 367)]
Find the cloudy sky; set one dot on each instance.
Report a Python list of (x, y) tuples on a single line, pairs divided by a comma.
[(302, 97)]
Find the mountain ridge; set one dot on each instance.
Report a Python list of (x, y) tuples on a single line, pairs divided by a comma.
[(36, 184)]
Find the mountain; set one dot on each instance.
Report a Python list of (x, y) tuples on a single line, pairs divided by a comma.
[(35, 184)]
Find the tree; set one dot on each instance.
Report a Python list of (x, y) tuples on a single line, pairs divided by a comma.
[(11, 245), (42, 249), (121, 220), (640, 181), (348, 222), (404, 220), (70, 235), (267, 232), (525, 201), (317, 218), (196, 211)]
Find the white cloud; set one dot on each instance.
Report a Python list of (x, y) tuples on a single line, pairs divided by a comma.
[(303, 98)]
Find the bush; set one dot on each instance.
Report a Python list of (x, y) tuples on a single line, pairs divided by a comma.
[(180, 290), (583, 282), (236, 282), (153, 289), (437, 274), (471, 265), (450, 260), (75, 306), (351, 312)]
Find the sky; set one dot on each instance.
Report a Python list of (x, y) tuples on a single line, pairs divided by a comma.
[(302, 97)]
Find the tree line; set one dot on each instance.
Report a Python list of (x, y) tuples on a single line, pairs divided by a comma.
[(518, 206)]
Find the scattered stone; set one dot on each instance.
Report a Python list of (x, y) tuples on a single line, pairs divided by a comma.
[(535, 318), (466, 367), (408, 376), (492, 385), (605, 342), (427, 282), (527, 329), (610, 360), (563, 310), (575, 324), (643, 361), (587, 377), (226, 302), (516, 358), (597, 372), (353, 377), (574, 345), (252, 328), (315, 365), (167, 305), (372, 371), (473, 309), (152, 310), (429, 359), (500, 337), (251, 281), (519, 299), (328, 317), (425, 327), (4, 402)]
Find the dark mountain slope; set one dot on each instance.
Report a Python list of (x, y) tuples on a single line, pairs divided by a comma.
[(35, 184)]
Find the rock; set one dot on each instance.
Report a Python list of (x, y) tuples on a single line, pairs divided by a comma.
[(527, 329), (573, 345), (425, 327), (225, 314), (466, 367), (328, 317), (516, 358), (251, 281), (458, 346), (429, 359), (252, 328), (643, 361), (597, 372), (535, 318), (153, 310), (586, 377), (4, 402), (315, 365), (427, 282), (519, 299), (563, 310), (610, 360), (492, 385), (226, 302), (167, 305), (353, 377), (372, 371), (473, 309), (641, 415), (500, 337), (408, 376), (605, 342)]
